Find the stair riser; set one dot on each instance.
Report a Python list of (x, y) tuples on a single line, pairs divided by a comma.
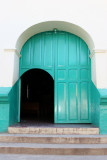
[(53, 140), (63, 131), (53, 151)]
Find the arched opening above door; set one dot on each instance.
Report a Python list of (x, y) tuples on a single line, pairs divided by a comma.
[(50, 26), (37, 96)]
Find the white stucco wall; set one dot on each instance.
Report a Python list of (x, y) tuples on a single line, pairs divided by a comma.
[(9, 68), (18, 15), (101, 72), (93, 69)]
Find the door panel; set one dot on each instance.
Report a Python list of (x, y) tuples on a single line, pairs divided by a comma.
[(72, 46), (48, 50), (36, 50), (84, 109), (72, 75), (61, 47), (26, 58), (61, 101), (83, 56), (72, 99)]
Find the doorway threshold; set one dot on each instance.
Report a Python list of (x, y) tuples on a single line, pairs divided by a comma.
[(52, 128)]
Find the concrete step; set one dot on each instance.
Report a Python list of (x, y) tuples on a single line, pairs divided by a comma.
[(53, 144), (53, 149), (60, 131), (50, 157), (53, 139), (41, 145)]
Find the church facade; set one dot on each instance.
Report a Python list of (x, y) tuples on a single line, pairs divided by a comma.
[(53, 63)]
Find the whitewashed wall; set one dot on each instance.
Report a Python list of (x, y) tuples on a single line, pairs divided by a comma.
[(16, 16)]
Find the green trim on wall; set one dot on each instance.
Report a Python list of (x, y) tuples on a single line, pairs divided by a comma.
[(9, 106), (4, 108), (103, 96), (103, 92), (103, 111), (4, 91)]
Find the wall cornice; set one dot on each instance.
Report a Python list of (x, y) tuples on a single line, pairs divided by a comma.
[(96, 51), (12, 51)]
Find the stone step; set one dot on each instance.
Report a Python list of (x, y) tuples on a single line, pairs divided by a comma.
[(50, 157), (41, 145), (60, 131), (53, 149), (53, 139)]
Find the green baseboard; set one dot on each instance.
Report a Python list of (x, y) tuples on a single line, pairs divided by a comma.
[(4, 108), (103, 111)]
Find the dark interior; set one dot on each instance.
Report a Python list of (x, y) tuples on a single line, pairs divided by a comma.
[(37, 96)]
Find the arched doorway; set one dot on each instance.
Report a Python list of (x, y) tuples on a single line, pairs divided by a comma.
[(65, 57), (37, 96)]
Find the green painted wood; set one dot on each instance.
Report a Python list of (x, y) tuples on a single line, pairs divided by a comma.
[(19, 98), (38, 53), (14, 103), (95, 105), (66, 58), (72, 74)]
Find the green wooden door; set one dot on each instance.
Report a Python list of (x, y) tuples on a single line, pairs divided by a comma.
[(66, 58), (72, 80)]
